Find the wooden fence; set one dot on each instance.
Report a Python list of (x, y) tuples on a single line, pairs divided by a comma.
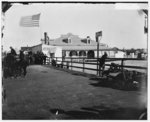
[(69, 61)]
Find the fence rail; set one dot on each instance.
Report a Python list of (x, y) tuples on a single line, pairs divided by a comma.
[(83, 62)]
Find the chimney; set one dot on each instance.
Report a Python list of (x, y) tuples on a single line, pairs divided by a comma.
[(45, 36)]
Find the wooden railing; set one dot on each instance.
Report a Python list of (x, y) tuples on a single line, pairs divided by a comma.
[(69, 62)]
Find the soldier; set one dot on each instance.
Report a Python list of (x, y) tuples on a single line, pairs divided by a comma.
[(44, 58), (12, 60), (21, 56), (13, 52), (102, 63)]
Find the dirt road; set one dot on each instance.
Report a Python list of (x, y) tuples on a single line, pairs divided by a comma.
[(47, 93)]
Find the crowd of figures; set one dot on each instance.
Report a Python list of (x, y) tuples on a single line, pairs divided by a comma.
[(16, 64), (37, 58)]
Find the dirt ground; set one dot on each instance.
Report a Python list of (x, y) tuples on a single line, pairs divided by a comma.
[(50, 94)]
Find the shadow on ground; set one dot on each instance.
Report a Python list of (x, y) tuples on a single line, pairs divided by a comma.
[(100, 113), (115, 84)]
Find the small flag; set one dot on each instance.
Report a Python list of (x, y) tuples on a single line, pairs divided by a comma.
[(30, 21)]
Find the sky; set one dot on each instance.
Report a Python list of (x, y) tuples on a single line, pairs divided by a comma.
[(122, 26)]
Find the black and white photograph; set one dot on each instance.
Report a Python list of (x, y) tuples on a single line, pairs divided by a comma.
[(74, 60)]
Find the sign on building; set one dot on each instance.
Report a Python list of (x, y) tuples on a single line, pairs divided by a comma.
[(98, 34)]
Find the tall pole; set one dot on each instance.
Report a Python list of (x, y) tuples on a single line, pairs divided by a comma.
[(97, 56), (98, 35)]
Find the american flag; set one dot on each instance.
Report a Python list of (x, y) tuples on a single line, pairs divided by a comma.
[(30, 21)]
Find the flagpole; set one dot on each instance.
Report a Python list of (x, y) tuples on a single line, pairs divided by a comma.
[(41, 30), (98, 35), (97, 56)]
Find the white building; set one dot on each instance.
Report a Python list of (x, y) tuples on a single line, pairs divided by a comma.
[(120, 54)]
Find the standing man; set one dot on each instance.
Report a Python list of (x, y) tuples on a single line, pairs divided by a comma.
[(21, 56), (21, 61), (12, 61), (102, 63), (44, 58), (13, 52)]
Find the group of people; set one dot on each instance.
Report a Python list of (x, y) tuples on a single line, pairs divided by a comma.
[(14, 64), (38, 58), (35, 58)]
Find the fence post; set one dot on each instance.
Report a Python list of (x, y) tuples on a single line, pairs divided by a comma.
[(122, 65), (97, 66), (83, 64), (71, 63), (49, 60), (62, 61), (99, 69), (56, 61)]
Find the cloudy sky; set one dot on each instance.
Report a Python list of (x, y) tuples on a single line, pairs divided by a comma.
[(122, 25)]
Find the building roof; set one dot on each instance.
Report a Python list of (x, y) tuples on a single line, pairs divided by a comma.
[(25, 48), (75, 41), (36, 45)]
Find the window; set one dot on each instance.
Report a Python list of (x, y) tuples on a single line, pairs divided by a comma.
[(69, 40), (89, 41), (65, 40)]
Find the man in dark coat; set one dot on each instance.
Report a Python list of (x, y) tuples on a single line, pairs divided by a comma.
[(21, 56), (44, 59), (102, 63), (23, 62), (12, 61), (8, 65), (13, 52)]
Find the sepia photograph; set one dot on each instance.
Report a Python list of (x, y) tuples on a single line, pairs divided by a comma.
[(74, 60)]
